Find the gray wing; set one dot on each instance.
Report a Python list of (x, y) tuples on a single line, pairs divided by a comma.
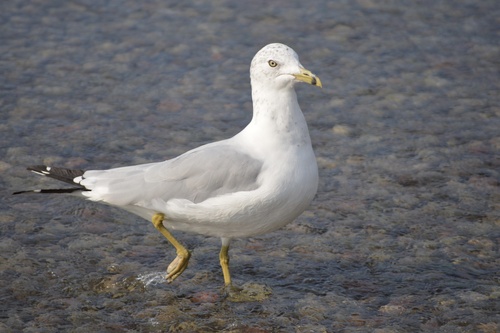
[(196, 175), (201, 174)]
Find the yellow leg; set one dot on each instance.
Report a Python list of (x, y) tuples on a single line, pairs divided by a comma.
[(179, 264), (224, 263)]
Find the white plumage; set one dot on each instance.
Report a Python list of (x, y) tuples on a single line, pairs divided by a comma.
[(253, 183)]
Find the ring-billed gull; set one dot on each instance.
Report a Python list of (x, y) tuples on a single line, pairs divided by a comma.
[(253, 183)]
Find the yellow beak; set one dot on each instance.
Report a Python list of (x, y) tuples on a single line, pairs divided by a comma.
[(308, 77)]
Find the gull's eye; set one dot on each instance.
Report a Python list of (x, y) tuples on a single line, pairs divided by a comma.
[(272, 63)]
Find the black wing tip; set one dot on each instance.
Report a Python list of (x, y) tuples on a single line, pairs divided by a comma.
[(39, 167), (21, 192), (43, 170), (55, 190), (26, 191), (62, 174)]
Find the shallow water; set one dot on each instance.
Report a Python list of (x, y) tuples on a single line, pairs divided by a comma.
[(403, 235)]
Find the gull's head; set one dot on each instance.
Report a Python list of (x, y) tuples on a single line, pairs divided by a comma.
[(278, 65)]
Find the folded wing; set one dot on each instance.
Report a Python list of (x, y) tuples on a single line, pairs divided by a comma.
[(196, 176)]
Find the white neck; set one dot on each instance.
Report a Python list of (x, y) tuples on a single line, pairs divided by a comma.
[(286, 125)]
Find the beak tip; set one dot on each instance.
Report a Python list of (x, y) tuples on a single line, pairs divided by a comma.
[(317, 82), (308, 77)]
